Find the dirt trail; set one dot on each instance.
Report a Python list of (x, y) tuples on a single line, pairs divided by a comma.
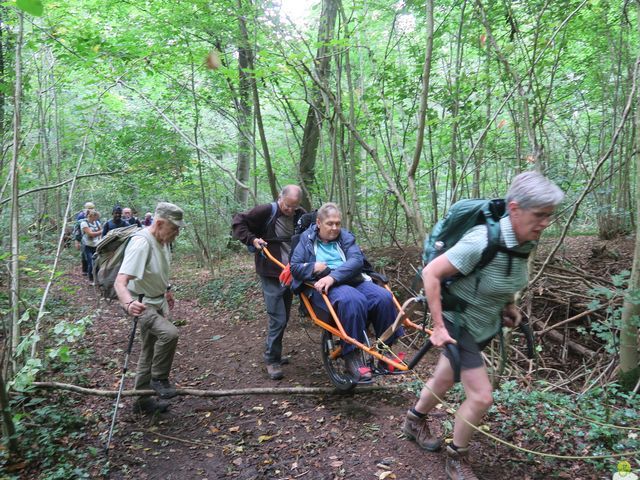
[(222, 324)]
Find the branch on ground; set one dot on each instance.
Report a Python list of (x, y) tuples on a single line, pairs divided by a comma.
[(209, 393)]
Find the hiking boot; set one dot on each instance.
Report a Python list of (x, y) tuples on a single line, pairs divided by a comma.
[(458, 466), (275, 371), (358, 371), (417, 429), (163, 388), (285, 361), (149, 406)]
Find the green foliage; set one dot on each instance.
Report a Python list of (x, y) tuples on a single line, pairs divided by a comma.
[(231, 294), (608, 331), (67, 333), (54, 439), (600, 422), (34, 7)]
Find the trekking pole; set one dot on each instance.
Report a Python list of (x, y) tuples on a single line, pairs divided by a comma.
[(124, 372)]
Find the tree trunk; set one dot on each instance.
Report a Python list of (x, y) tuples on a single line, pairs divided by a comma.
[(15, 220), (246, 141), (629, 358), (422, 115), (206, 247), (8, 428), (311, 135), (2, 78), (253, 84)]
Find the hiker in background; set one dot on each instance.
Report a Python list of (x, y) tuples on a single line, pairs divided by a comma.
[(489, 295), (271, 224), (148, 219), (91, 234), (329, 257), (77, 234), (127, 216), (115, 222), (145, 270)]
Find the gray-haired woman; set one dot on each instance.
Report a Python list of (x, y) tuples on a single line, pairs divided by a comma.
[(489, 293)]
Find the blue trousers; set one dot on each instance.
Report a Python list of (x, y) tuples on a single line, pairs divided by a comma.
[(357, 308), (278, 302), (88, 255)]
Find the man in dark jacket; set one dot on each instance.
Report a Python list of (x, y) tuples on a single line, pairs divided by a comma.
[(272, 225), (115, 222)]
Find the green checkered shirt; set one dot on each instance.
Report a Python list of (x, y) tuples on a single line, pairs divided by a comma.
[(489, 289)]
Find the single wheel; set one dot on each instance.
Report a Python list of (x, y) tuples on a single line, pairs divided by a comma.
[(335, 367)]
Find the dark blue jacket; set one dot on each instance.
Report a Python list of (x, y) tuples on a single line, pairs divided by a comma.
[(303, 259)]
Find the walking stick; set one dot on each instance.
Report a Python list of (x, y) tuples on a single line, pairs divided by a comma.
[(124, 372)]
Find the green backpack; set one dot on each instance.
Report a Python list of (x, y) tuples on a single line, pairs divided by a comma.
[(108, 258), (462, 217)]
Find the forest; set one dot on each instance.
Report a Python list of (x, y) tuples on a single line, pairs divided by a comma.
[(392, 110)]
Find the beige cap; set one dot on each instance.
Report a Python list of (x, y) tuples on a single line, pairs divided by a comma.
[(89, 205), (170, 212)]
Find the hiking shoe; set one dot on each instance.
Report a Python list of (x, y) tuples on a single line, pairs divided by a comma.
[(358, 371), (458, 466), (285, 361), (163, 388), (417, 429), (149, 406), (275, 371)]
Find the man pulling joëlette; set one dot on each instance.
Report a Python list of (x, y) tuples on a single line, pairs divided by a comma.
[(261, 226)]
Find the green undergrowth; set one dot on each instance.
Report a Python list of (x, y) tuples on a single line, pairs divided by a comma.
[(600, 422), (53, 434), (236, 294), (604, 421)]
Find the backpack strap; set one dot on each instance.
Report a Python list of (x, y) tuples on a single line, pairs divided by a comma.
[(274, 210)]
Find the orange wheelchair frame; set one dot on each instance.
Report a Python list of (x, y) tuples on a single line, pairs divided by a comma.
[(331, 350)]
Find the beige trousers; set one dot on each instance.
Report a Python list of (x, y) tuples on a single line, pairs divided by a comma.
[(159, 341)]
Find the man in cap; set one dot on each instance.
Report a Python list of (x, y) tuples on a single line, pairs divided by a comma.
[(145, 271), (272, 224)]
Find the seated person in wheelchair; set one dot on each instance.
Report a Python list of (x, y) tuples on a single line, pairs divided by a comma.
[(329, 257)]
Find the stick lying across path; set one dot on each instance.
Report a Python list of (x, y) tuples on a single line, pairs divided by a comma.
[(209, 393)]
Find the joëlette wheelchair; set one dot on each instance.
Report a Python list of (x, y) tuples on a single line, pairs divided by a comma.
[(334, 336)]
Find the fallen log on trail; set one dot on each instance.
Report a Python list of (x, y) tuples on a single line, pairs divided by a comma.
[(209, 393)]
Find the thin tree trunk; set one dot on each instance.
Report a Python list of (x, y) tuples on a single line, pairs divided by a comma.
[(455, 111), (15, 206), (629, 358), (203, 194), (246, 139), (2, 77), (8, 428), (422, 115), (350, 151), (311, 135), (256, 105)]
